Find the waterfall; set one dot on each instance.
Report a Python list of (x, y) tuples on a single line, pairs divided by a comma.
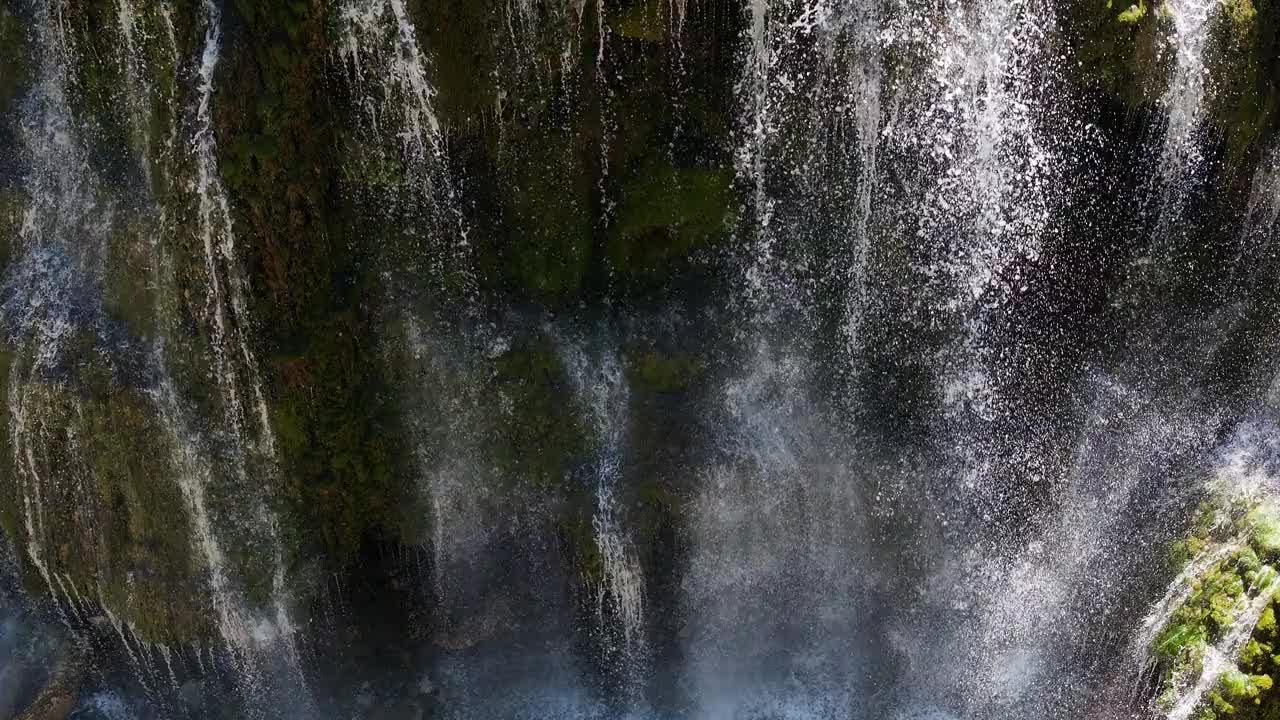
[(49, 292), (779, 571), (257, 642), (1263, 213), (1182, 158), (783, 359), (1179, 590), (601, 387), (389, 72), (997, 175), (448, 461)]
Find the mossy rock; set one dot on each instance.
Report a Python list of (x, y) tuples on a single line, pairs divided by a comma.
[(548, 205), (457, 36), (130, 287), (539, 437), (644, 20), (1243, 93), (1243, 692), (666, 216), (1119, 48), (115, 521), (655, 371), (15, 57)]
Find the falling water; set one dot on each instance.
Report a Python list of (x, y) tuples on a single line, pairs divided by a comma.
[(48, 293), (378, 45), (1263, 214), (811, 96), (1179, 590), (820, 565), (227, 289), (1182, 157), (450, 392), (983, 128), (1223, 655), (601, 387), (370, 26), (256, 641)]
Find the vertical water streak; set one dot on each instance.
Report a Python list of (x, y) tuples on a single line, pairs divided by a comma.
[(49, 293), (988, 206), (751, 162), (865, 93), (227, 286), (1222, 656), (369, 27), (235, 368), (1262, 215), (809, 131), (379, 44), (1179, 590), (390, 73), (1182, 157), (601, 385)]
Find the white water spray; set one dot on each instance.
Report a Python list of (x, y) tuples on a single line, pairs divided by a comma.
[(601, 385)]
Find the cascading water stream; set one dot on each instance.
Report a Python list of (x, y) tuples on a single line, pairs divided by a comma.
[(1175, 595), (1182, 157), (996, 174), (803, 466), (235, 368), (48, 293), (378, 45), (231, 348), (1222, 656), (811, 96), (601, 387)]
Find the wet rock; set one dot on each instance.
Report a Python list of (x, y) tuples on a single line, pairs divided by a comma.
[(478, 628), (61, 693)]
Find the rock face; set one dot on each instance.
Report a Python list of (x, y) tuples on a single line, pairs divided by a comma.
[(60, 695)]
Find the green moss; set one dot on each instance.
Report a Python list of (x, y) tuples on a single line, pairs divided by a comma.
[(1119, 49), (1264, 532), (663, 373), (539, 437), (645, 20), (666, 215), (14, 54), (547, 199), (115, 521), (1244, 692), (1133, 13), (130, 279)]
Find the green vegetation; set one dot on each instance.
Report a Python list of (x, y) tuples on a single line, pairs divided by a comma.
[(1214, 605)]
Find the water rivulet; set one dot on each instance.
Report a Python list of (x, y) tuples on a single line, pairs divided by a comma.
[(639, 359)]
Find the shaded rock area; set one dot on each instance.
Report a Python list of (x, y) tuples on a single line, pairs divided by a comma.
[(61, 692)]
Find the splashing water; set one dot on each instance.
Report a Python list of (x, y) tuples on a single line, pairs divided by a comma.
[(369, 28), (1182, 158), (1179, 590), (1222, 657), (602, 387), (810, 94)]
